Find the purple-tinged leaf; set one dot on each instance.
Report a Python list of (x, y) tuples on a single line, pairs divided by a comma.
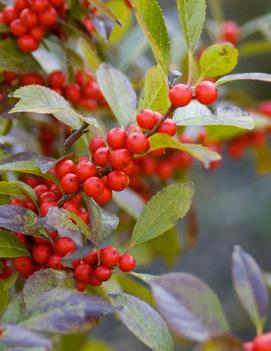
[(61, 311), (264, 77), (103, 25), (250, 286), (77, 255), (189, 306)]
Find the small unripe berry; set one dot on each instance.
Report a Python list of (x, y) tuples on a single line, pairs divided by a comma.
[(180, 95), (206, 92)]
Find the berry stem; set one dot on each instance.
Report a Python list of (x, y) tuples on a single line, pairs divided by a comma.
[(76, 134), (158, 124), (190, 68)]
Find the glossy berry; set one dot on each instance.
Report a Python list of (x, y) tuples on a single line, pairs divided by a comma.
[(168, 127), (93, 187), (48, 18), (9, 14), (102, 156), (44, 208), (41, 253), (40, 189), (54, 262), (24, 266), (109, 256), (85, 169), (39, 6), (21, 4), (230, 31), (103, 273), (206, 92), (117, 180), (120, 158), (48, 196), (116, 138), (82, 272), (265, 107), (37, 33), (63, 167), (96, 143), (56, 79), (28, 18), (127, 263), (70, 183), (262, 342), (180, 95), (91, 258), (137, 143), (105, 197), (64, 246), (248, 346), (147, 119), (17, 28), (27, 43)]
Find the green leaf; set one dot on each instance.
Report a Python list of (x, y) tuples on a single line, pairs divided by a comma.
[(250, 286), (162, 212), (155, 93), (192, 15), (46, 101), (43, 281), (255, 25), (143, 321), (196, 114), (118, 92), (10, 246), (105, 10), (264, 77), (102, 223), (130, 202), (29, 163), (189, 306), (218, 59), (62, 311), (15, 310), (4, 298), (150, 19), (224, 342), (12, 59), (262, 158), (17, 188), (88, 53), (255, 47), (199, 152)]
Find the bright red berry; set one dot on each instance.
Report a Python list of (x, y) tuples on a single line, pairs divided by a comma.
[(94, 281), (48, 18), (21, 4), (81, 286), (91, 258), (9, 77), (28, 18), (24, 266), (102, 156), (105, 197), (27, 43), (48, 196), (230, 31), (63, 167), (117, 138), (17, 28), (120, 158), (248, 346), (127, 263), (94, 187), (37, 33), (32, 78), (168, 127), (83, 272), (57, 3), (41, 253), (85, 169), (265, 107), (180, 95), (96, 143), (117, 180), (9, 14), (262, 342), (39, 6), (72, 92), (56, 79), (103, 273), (137, 143), (44, 208), (147, 119), (206, 92), (54, 262), (64, 246), (70, 183), (109, 256), (84, 215), (71, 206)]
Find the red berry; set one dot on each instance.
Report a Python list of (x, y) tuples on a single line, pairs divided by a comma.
[(94, 281), (70, 183), (105, 197), (117, 180), (44, 208), (17, 28), (168, 127), (165, 170), (40, 241), (84, 215), (81, 286), (96, 143), (5, 270), (71, 206), (180, 95), (83, 272), (102, 156), (24, 266), (265, 107), (37, 33), (28, 18), (137, 143), (72, 92), (9, 77), (89, 89), (27, 43), (230, 31), (262, 342), (48, 196), (63, 167), (103, 273), (41, 253), (117, 138), (39, 6), (48, 18), (32, 78), (248, 346), (9, 14), (21, 4), (94, 187), (127, 263), (206, 92), (120, 158), (56, 79), (109, 256), (85, 169), (91, 258), (147, 119), (57, 3), (54, 262), (64, 246)]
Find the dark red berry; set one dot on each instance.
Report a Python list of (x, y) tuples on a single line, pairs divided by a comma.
[(180, 95), (54, 262), (117, 138), (103, 273), (83, 272), (44, 208), (105, 197), (40, 189), (48, 18), (206, 92), (127, 263), (64, 246), (24, 266), (91, 258), (32, 78), (17, 28), (72, 92), (21, 4), (94, 281), (28, 18), (109, 256), (41, 253), (27, 43), (37, 33), (39, 6), (48, 196), (56, 79)]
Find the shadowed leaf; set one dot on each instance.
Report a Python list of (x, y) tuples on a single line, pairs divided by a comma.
[(10, 246)]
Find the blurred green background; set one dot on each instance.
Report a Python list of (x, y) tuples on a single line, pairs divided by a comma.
[(233, 206)]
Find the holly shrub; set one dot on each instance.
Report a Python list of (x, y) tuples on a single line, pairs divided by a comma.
[(103, 116)]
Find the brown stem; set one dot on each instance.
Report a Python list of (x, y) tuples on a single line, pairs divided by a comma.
[(66, 197), (104, 170), (76, 134), (168, 114)]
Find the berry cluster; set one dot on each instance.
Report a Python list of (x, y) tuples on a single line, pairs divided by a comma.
[(29, 21), (262, 342), (205, 92)]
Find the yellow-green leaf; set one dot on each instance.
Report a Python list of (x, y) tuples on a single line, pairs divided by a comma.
[(10, 246), (104, 9)]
